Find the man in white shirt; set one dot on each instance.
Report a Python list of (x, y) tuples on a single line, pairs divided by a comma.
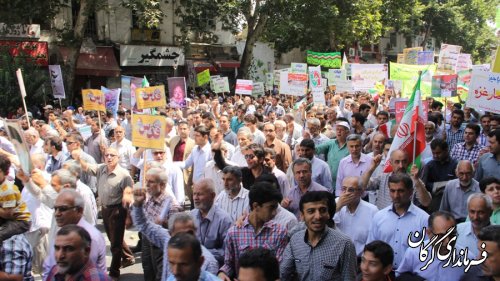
[(125, 149), (34, 141)]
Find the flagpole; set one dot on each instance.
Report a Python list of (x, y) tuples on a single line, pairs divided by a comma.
[(416, 124), (22, 88)]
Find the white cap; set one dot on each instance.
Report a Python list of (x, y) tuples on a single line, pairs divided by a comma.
[(48, 106), (344, 124)]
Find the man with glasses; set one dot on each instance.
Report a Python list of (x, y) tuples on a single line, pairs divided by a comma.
[(74, 141), (353, 214), (125, 149), (68, 210), (112, 179)]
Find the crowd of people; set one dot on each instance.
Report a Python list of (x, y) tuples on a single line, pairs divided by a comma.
[(254, 188)]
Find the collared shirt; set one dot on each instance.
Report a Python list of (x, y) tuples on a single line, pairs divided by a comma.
[(204, 276), (495, 216), (234, 207), (159, 237), (460, 152), (488, 166), (278, 109), (153, 207), (285, 218), (37, 147), (354, 224), (454, 137), (198, 160), (455, 198), (393, 229), (92, 147), (333, 258), (110, 185), (295, 195), (282, 180), (236, 124), (434, 272), (381, 185), (10, 197), (483, 139), (90, 209), (213, 172), (320, 173), (230, 137), (239, 158), (334, 154), (41, 214), (179, 150), (54, 163), (466, 239), (86, 177), (97, 249), (436, 171), (16, 256), (239, 240), (212, 230), (125, 151), (88, 273), (283, 153), (347, 168)]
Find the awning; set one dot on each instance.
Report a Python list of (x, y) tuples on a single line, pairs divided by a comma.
[(102, 63), (227, 63), (199, 66)]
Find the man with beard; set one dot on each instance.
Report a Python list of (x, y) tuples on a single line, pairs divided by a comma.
[(72, 251), (234, 198)]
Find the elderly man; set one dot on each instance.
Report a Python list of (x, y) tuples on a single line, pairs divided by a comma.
[(112, 179), (353, 214), (212, 221), (234, 198), (34, 141), (125, 149), (353, 165), (74, 141), (302, 171), (394, 223), (73, 255), (457, 191), (159, 236), (69, 208), (245, 138), (480, 207), (490, 268)]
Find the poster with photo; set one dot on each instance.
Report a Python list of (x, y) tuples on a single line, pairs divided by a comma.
[(177, 92)]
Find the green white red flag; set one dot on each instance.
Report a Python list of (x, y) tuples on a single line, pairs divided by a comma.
[(410, 135)]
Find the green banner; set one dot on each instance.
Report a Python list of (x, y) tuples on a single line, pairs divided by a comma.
[(203, 77), (408, 73), (328, 60)]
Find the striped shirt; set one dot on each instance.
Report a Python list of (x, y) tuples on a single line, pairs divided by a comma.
[(88, 273), (238, 240), (16, 256), (333, 258), (10, 198), (236, 206), (454, 137)]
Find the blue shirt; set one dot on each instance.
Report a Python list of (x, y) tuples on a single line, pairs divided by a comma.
[(467, 239), (204, 276), (434, 272), (488, 166), (236, 124), (159, 236), (394, 229)]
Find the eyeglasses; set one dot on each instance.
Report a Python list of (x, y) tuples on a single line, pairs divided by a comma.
[(63, 209), (158, 152), (249, 156), (70, 142), (110, 155)]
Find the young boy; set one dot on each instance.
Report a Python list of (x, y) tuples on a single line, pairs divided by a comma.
[(376, 262), (14, 215)]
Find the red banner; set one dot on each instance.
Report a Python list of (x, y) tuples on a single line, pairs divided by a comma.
[(401, 107), (31, 50)]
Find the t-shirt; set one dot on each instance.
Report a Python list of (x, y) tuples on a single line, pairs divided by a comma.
[(10, 197)]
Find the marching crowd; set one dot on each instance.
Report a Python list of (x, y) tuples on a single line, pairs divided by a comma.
[(254, 188)]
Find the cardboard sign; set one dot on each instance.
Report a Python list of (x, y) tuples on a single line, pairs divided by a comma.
[(221, 85), (484, 91), (177, 92), (56, 80), (448, 58), (148, 131), (150, 97), (93, 99), (401, 107), (444, 85), (244, 87), (203, 77), (16, 135)]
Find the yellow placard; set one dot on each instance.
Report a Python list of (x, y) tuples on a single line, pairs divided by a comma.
[(203, 77), (93, 99), (148, 131), (150, 97), (496, 62)]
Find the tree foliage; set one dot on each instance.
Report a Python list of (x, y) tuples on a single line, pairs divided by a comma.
[(149, 13)]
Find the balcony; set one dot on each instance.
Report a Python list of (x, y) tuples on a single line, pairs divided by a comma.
[(139, 35)]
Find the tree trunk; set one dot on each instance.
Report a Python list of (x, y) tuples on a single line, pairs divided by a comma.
[(252, 37), (86, 6)]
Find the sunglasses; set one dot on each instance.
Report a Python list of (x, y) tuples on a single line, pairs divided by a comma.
[(249, 156)]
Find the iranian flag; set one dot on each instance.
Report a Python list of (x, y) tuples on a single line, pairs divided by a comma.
[(386, 128), (410, 135)]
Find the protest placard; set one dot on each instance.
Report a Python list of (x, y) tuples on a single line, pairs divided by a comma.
[(444, 85), (203, 77), (150, 97), (56, 81), (221, 85), (400, 107), (496, 61), (344, 86), (400, 58), (297, 84), (364, 76), (411, 55), (212, 81), (298, 67), (93, 99), (464, 62), (244, 87), (335, 75), (177, 92), (258, 88), (484, 91), (111, 99), (16, 137), (425, 57), (126, 92), (327, 60), (148, 131), (269, 81), (448, 57)]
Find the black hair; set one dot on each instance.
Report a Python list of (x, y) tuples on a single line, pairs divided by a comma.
[(381, 251), (263, 259), (4, 164), (73, 228), (55, 141), (496, 134), (436, 104), (257, 150), (309, 143), (446, 215), (183, 240), (487, 181), (263, 192), (315, 196), (359, 118), (364, 106), (385, 113), (490, 233), (458, 112), (435, 143), (269, 178), (475, 128), (203, 130), (401, 177)]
